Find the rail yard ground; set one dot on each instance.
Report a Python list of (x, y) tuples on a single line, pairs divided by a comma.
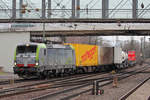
[(7, 76), (73, 87)]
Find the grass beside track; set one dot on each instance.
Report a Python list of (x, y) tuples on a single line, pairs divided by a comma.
[(3, 73)]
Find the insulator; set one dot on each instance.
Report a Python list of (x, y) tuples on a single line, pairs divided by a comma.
[(78, 8), (24, 5), (29, 10), (37, 9), (23, 11), (142, 5), (58, 4)]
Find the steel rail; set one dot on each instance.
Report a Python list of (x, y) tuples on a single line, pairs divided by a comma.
[(78, 87), (107, 83), (65, 80), (124, 97), (16, 81), (63, 84)]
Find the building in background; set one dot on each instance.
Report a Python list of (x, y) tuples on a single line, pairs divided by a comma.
[(8, 42)]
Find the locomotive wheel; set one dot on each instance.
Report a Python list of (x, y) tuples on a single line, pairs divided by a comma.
[(79, 71), (41, 75)]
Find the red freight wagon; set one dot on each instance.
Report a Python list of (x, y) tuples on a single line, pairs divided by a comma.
[(131, 56)]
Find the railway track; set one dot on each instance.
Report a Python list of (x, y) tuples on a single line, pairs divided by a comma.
[(59, 82), (36, 79), (81, 89), (124, 97), (26, 80), (16, 81), (75, 81)]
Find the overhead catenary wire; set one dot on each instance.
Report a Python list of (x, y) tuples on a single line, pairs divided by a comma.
[(64, 7), (144, 11), (119, 8), (58, 3), (7, 7), (5, 4), (94, 4), (87, 5), (65, 4), (61, 6), (116, 7), (31, 6), (90, 2), (4, 10)]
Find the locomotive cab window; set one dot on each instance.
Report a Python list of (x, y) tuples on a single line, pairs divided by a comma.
[(26, 49)]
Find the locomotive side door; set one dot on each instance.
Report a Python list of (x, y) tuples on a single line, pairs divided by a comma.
[(42, 57)]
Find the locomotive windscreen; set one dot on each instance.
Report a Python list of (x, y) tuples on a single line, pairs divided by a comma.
[(26, 49)]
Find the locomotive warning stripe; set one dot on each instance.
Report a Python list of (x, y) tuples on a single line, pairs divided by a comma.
[(20, 65)]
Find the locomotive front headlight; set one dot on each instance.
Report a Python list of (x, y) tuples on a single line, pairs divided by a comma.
[(15, 63), (36, 63), (27, 45)]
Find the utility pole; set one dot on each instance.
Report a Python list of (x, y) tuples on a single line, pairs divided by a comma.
[(105, 7), (43, 17), (134, 9), (132, 43), (44, 32), (144, 49), (20, 8), (141, 47), (49, 8), (117, 41), (13, 9), (73, 8)]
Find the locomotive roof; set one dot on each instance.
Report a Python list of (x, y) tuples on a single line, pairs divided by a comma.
[(58, 46), (31, 44), (42, 45)]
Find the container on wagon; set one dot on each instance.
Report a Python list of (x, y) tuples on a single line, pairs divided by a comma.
[(86, 55)]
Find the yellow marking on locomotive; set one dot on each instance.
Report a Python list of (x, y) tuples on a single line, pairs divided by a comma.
[(68, 60)]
